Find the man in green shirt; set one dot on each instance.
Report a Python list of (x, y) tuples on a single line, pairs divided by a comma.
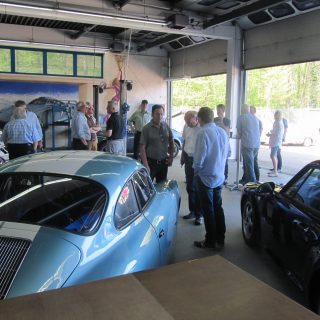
[(139, 119)]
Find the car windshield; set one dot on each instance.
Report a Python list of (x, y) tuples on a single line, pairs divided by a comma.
[(62, 202)]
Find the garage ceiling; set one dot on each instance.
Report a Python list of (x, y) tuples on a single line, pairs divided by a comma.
[(171, 25)]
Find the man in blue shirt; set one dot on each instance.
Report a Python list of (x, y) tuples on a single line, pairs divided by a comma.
[(80, 129), (249, 133), (210, 155), (19, 136), (32, 118)]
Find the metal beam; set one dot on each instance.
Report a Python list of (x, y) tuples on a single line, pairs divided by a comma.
[(82, 32), (243, 11)]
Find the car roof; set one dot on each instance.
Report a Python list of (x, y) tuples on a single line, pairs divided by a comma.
[(110, 170)]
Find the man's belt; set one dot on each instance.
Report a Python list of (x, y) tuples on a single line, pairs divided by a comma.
[(155, 161)]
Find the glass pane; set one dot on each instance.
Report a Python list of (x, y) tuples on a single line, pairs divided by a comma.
[(89, 66), (5, 60), (28, 61), (60, 63), (53, 201), (309, 193), (127, 207)]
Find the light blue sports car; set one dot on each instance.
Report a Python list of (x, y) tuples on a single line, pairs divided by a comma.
[(69, 217)]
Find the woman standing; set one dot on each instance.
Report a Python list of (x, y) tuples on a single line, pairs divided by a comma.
[(275, 141)]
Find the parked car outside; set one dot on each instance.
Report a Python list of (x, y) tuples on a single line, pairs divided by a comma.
[(286, 220), (4, 154), (177, 139), (69, 217)]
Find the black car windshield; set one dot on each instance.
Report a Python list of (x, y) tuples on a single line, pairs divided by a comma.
[(62, 202)]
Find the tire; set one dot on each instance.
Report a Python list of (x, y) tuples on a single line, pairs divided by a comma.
[(102, 146), (176, 148), (249, 224), (307, 142)]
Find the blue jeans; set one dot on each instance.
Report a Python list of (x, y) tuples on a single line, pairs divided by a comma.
[(213, 214), (250, 164), (193, 199)]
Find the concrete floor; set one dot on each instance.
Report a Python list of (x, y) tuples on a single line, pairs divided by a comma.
[(255, 261)]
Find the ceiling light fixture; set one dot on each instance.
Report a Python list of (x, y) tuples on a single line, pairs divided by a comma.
[(53, 46), (87, 14)]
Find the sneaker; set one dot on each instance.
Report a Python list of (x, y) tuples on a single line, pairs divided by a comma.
[(191, 215), (198, 221)]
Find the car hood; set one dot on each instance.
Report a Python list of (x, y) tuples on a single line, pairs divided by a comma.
[(46, 262)]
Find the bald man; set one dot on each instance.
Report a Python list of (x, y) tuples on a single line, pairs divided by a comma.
[(189, 134)]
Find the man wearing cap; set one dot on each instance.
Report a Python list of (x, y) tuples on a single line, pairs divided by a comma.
[(80, 130), (139, 118), (19, 136)]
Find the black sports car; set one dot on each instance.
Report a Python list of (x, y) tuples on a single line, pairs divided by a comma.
[(286, 220)]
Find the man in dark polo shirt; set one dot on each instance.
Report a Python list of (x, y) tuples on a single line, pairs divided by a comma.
[(114, 130), (155, 143)]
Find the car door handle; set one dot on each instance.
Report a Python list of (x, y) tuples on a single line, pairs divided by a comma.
[(161, 233)]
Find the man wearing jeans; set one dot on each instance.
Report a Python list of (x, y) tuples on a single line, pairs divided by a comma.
[(209, 160), (249, 134)]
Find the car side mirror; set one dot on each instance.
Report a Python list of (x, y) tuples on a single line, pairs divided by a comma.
[(267, 187)]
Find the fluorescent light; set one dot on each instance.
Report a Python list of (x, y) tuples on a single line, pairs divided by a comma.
[(52, 45), (87, 14), (24, 6)]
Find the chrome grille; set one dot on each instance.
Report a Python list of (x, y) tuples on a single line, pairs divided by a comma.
[(12, 253)]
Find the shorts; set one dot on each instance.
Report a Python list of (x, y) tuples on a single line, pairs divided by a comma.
[(274, 151)]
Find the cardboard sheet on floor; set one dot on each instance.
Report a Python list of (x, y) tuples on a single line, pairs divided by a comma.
[(209, 288)]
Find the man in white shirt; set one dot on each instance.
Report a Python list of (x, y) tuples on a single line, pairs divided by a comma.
[(189, 134)]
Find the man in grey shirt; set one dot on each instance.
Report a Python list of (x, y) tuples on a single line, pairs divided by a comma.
[(155, 143), (139, 118), (249, 134)]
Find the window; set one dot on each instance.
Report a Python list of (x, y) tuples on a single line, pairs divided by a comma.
[(144, 187), (89, 65), (306, 191), (5, 60), (51, 62), (28, 61), (127, 208), (61, 202), (60, 63)]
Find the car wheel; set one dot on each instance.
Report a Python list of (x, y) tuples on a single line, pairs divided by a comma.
[(249, 223), (307, 142), (102, 146), (176, 149)]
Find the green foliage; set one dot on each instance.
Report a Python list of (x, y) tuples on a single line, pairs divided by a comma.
[(89, 65), (5, 60), (28, 61), (60, 63), (199, 92), (289, 86)]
